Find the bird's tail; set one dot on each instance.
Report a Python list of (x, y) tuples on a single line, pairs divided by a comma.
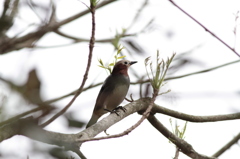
[(93, 120)]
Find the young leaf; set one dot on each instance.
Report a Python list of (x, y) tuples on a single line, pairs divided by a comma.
[(121, 57)]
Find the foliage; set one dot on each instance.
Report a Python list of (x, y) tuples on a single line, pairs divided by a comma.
[(179, 133), (157, 76), (109, 66)]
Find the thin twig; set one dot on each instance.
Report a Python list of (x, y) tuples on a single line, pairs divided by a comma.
[(79, 91), (193, 73), (77, 39), (205, 28), (138, 82), (20, 116), (176, 153), (29, 39), (72, 93), (202, 71), (227, 146), (137, 15), (235, 29), (145, 81), (129, 100), (79, 153)]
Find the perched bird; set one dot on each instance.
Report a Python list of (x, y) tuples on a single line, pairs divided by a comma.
[(113, 91)]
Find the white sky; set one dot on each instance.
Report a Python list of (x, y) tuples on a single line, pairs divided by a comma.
[(61, 70)]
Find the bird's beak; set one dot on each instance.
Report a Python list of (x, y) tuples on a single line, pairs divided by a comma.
[(133, 62)]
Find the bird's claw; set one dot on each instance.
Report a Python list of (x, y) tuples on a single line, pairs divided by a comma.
[(116, 109), (105, 131), (129, 100), (121, 107)]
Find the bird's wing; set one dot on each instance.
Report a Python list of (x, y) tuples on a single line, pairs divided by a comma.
[(107, 88)]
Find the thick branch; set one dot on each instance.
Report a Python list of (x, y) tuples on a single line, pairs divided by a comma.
[(110, 120), (194, 118), (185, 147), (9, 130), (146, 113), (29, 129), (20, 116), (141, 105)]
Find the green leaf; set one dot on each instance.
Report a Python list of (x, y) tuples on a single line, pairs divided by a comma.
[(111, 64), (100, 61), (157, 76), (121, 57), (101, 66)]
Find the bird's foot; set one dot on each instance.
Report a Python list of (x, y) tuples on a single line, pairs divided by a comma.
[(129, 100), (120, 107), (115, 110), (105, 131)]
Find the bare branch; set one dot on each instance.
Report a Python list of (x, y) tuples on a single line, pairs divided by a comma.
[(205, 28), (137, 15), (29, 40), (77, 39), (194, 118), (27, 127), (17, 117), (185, 147), (235, 29), (140, 106), (176, 153), (203, 71), (143, 81), (193, 73), (227, 146), (13, 128), (79, 91)]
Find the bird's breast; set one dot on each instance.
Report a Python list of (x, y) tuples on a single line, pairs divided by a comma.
[(117, 96)]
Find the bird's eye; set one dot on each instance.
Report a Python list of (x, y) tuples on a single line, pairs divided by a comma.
[(126, 63)]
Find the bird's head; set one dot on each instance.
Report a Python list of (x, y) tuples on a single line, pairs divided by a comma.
[(121, 67)]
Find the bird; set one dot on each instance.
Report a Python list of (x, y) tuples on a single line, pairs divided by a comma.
[(113, 91)]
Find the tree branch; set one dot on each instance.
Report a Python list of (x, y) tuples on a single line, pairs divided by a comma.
[(28, 128), (140, 106), (21, 115), (79, 91), (145, 81), (146, 113), (194, 118), (77, 39), (89, 133), (17, 43), (185, 147), (13, 128), (227, 146), (205, 28), (203, 71)]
